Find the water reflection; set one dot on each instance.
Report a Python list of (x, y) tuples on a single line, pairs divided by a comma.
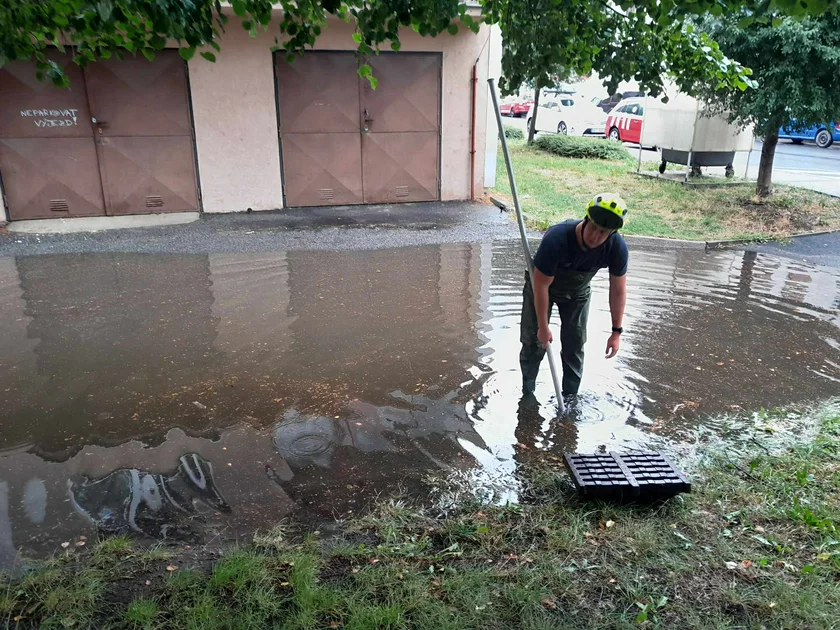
[(159, 506), (209, 395)]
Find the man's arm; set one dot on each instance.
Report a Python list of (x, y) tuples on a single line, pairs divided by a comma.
[(541, 284), (618, 300)]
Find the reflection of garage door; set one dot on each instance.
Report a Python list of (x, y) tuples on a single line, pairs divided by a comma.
[(344, 143), (119, 141)]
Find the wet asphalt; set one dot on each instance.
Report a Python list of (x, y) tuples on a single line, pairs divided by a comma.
[(820, 249), (338, 229)]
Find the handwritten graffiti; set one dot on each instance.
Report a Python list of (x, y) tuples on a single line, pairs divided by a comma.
[(52, 117), (52, 122)]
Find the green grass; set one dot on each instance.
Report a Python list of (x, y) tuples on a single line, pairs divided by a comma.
[(142, 614), (553, 188), (756, 545)]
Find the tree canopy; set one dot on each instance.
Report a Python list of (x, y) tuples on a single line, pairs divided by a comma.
[(618, 38), (796, 67)]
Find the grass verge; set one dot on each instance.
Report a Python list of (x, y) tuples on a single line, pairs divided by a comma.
[(553, 188), (756, 546)]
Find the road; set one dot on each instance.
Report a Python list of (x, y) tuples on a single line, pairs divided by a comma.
[(804, 165)]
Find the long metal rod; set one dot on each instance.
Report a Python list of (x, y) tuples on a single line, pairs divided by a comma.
[(527, 250)]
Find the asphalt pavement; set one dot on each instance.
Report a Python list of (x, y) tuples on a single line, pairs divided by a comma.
[(804, 165), (817, 249)]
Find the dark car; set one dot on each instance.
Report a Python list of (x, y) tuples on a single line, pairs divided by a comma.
[(609, 103)]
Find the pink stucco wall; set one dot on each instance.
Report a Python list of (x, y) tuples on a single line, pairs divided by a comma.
[(235, 114)]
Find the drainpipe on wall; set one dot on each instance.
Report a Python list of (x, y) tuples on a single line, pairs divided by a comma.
[(472, 129), (473, 114)]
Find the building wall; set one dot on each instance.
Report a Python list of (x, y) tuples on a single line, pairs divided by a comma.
[(235, 120), (235, 114)]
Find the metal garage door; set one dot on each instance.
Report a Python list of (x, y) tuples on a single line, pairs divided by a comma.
[(344, 143), (119, 141), (47, 154)]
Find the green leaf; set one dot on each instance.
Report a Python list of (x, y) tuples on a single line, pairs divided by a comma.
[(357, 37), (148, 53), (373, 82), (395, 46), (187, 53), (808, 568), (452, 28), (239, 8), (209, 56), (365, 70), (247, 25), (642, 617)]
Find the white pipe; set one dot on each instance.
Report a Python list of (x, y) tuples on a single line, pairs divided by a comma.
[(527, 250)]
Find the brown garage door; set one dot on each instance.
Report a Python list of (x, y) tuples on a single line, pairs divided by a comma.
[(47, 154), (119, 141), (344, 143)]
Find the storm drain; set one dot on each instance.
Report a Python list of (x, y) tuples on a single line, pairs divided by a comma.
[(632, 476)]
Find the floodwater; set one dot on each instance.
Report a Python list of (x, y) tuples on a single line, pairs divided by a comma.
[(204, 397)]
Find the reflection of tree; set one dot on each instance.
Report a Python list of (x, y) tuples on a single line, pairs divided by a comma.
[(339, 463), (160, 506)]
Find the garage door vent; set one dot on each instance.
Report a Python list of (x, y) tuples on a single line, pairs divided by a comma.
[(401, 191), (154, 201), (326, 193), (59, 205)]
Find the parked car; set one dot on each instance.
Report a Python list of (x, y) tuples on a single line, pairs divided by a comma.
[(515, 108), (624, 123), (569, 116), (823, 135), (608, 104)]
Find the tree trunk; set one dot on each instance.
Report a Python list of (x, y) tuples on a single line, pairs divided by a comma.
[(764, 187), (533, 126)]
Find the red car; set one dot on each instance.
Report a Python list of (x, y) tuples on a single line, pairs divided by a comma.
[(624, 122), (517, 109)]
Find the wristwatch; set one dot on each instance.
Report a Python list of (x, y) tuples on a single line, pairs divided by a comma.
[(618, 329)]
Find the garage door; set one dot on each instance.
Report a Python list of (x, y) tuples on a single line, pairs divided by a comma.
[(345, 143), (119, 141)]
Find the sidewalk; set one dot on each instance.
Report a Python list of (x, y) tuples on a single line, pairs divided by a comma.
[(342, 228)]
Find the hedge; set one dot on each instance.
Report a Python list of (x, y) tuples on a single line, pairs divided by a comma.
[(512, 133), (583, 148)]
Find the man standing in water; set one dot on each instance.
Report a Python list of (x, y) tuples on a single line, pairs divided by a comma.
[(569, 256)]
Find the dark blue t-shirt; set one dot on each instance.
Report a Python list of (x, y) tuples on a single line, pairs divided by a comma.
[(559, 251)]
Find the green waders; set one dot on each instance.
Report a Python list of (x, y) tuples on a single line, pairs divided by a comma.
[(570, 292)]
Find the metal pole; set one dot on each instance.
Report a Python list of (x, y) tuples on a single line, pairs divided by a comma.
[(693, 138), (639, 163), (527, 250), (749, 155)]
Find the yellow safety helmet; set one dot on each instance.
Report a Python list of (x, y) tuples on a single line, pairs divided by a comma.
[(607, 211)]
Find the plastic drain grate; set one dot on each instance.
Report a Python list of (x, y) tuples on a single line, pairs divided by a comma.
[(640, 476)]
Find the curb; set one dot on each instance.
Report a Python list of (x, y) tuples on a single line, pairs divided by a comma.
[(655, 242), (689, 183), (758, 241)]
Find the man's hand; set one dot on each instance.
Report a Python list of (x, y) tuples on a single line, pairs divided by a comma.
[(613, 344), (544, 336)]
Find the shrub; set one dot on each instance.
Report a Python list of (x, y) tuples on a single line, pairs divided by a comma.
[(583, 148), (512, 133)]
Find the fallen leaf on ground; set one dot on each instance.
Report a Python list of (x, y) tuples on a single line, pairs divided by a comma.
[(731, 565), (171, 567), (64, 545), (80, 543), (610, 524), (549, 602), (746, 564), (148, 582)]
